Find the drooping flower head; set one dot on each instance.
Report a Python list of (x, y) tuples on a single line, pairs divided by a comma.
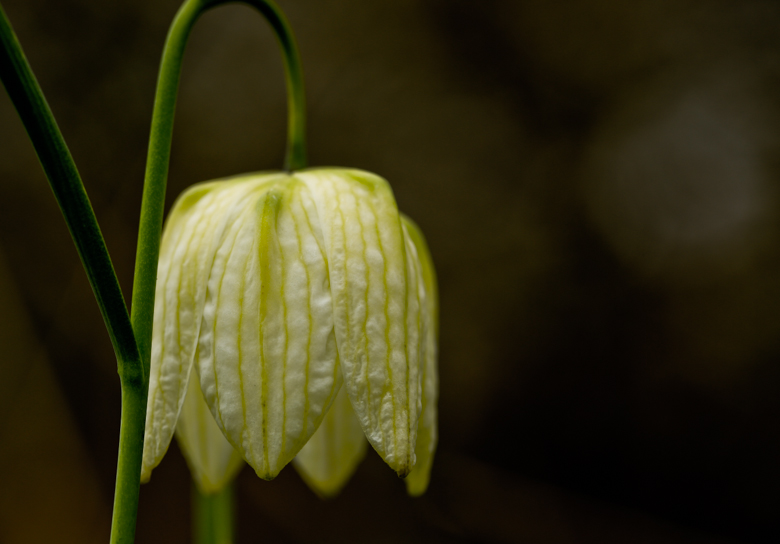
[(280, 290)]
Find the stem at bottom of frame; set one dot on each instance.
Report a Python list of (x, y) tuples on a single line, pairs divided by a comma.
[(213, 518), (128, 471)]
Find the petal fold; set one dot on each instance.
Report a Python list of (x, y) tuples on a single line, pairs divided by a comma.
[(267, 350), (427, 431), (212, 460), (376, 291), (330, 457), (197, 221)]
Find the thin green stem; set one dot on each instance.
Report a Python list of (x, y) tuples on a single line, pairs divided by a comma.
[(60, 169), (68, 189), (128, 470), (214, 511), (296, 119), (153, 200), (213, 516), (160, 146)]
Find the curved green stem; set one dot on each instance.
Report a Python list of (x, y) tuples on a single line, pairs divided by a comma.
[(296, 120), (153, 200), (150, 228)]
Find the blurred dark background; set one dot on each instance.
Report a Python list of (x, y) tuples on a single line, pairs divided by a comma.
[(599, 183)]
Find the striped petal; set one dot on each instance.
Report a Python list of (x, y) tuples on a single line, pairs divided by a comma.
[(197, 221), (332, 454), (427, 431), (267, 350), (376, 293), (212, 460)]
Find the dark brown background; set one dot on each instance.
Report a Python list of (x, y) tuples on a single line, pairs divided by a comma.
[(598, 181)]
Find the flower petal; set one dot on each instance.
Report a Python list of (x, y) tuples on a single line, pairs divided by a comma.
[(197, 221), (332, 454), (212, 460), (427, 431), (376, 306), (267, 349)]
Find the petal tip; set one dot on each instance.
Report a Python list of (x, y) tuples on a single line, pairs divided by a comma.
[(403, 471), (266, 475), (325, 489), (415, 487)]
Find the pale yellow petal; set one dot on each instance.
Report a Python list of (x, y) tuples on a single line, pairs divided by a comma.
[(212, 460), (267, 349), (332, 454), (376, 307), (196, 224), (427, 431)]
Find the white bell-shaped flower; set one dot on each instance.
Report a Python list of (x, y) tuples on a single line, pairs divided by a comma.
[(277, 285)]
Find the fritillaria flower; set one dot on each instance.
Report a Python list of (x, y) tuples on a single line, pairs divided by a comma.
[(295, 314)]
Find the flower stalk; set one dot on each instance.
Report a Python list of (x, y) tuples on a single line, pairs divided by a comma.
[(155, 182), (213, 517), (158, 157), (65, 181)]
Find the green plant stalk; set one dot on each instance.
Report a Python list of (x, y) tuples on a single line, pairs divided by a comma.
[(156, 176), (213, 518), (158, 158), (60, 169), (68, 189), (128, 470)]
